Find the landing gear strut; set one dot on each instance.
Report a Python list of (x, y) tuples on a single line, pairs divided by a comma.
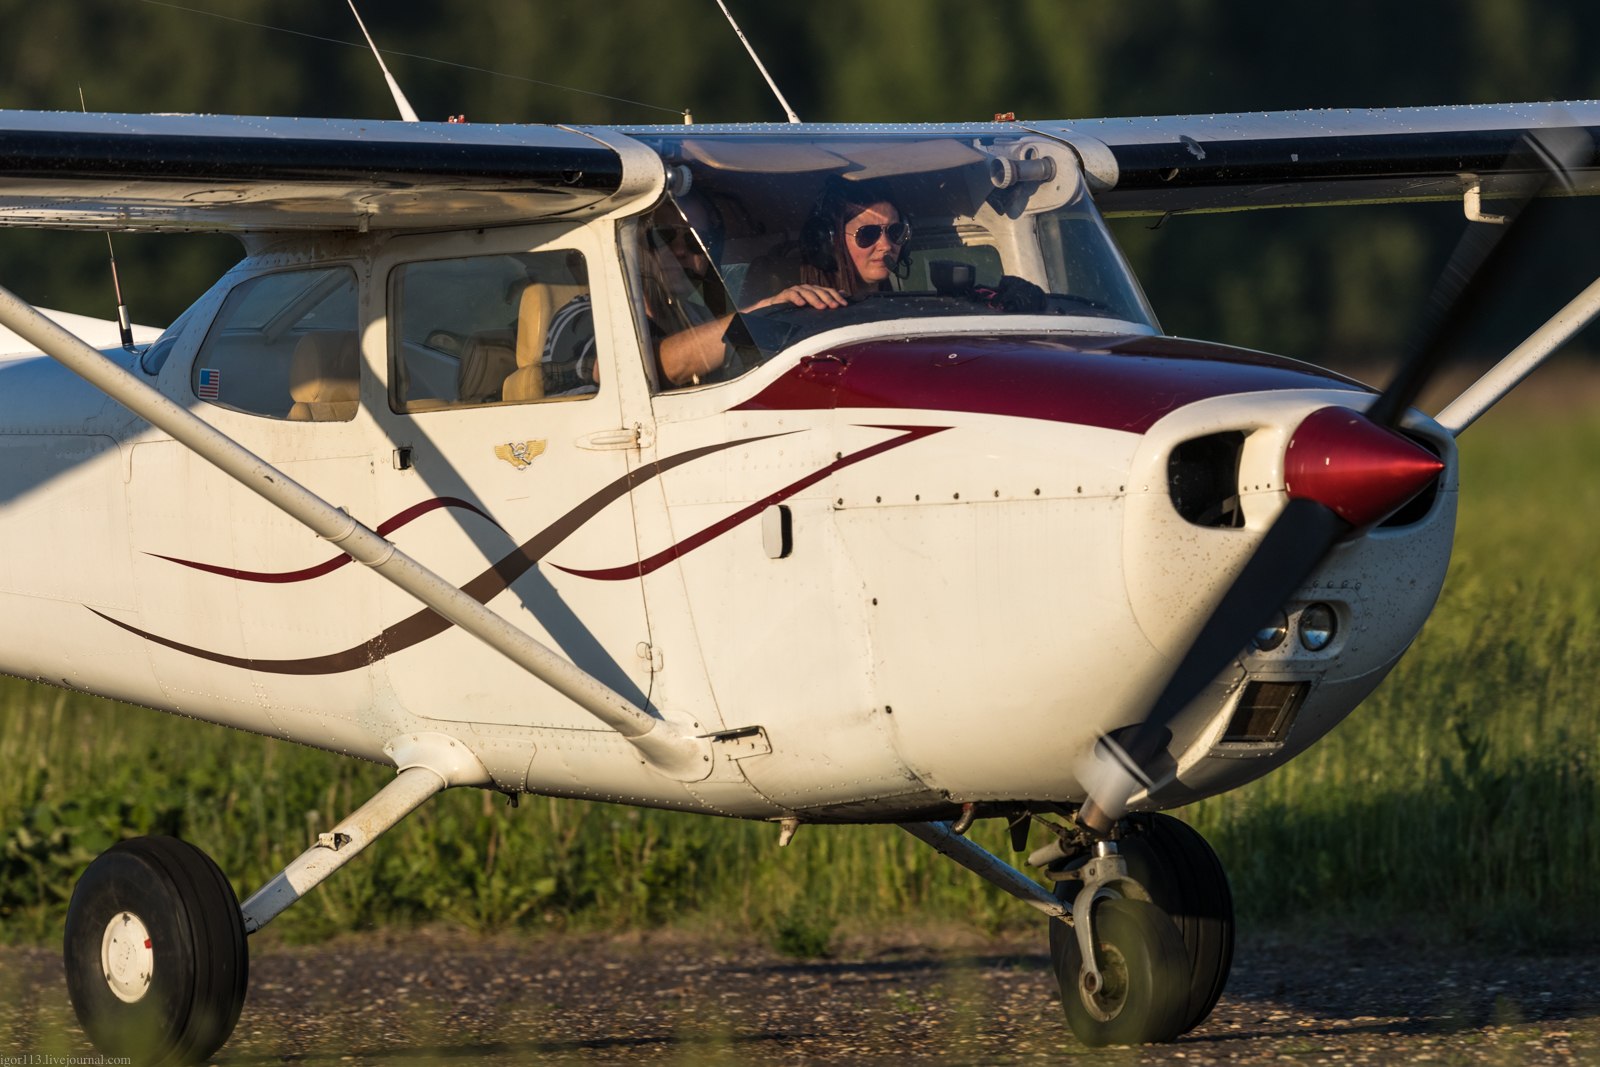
[(156, 957)]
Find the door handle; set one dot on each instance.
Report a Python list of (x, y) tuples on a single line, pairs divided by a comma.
[(627, 437)]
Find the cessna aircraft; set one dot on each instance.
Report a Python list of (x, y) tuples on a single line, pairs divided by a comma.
[(974, 539)]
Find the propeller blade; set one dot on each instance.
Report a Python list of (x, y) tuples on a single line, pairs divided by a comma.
[(1288, 553), (1483, 258)]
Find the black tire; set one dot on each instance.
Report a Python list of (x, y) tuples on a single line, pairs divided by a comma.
[(1144, 969), (177, 1000), (1185, 879)]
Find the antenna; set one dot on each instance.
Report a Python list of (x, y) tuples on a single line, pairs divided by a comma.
[(124, 323), (400, 100), (748, 47)]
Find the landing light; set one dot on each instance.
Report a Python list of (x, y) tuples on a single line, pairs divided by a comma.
[(1317, 627), (1272, 634)]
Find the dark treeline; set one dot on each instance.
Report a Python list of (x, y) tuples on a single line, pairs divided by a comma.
[(1333, 285)]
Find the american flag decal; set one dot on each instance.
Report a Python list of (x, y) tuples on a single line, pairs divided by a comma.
[(209, 385)]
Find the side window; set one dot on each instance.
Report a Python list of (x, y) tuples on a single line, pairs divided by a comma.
[(284, 346), (506, 329)]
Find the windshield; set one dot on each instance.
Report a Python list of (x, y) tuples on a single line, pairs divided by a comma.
[(764, 240)]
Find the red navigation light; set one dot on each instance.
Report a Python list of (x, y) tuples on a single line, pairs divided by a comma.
[(1354, 467)]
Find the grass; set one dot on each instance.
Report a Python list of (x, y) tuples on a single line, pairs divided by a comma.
[(1462, 797)]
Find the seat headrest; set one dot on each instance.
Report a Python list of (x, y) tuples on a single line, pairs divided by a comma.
[(325, 367)]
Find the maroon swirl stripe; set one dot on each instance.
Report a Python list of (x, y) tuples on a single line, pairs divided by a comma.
[(908, 434), (386, 527), (424, 624)]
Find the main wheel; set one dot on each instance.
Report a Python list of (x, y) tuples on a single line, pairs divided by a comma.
[(155, 952), (1185, 879), (1143, 970)]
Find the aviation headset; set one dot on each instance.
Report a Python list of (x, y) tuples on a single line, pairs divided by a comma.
[(714, 233)]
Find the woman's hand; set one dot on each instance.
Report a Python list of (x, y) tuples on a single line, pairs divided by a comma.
[(814, 296)]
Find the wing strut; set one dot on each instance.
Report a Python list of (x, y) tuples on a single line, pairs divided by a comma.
[(664, 745), (1521, 361)]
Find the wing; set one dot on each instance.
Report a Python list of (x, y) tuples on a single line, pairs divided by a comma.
[(1146, 166), (232, 173)]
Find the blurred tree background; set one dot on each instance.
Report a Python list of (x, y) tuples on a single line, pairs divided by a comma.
[(1337, 285)]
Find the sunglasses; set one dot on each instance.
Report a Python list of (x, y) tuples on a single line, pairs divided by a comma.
[(671, 235), (867, 236)]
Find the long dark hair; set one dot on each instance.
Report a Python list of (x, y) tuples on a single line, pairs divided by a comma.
[(824, 258)]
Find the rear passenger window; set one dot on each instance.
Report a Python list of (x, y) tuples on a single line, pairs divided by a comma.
[(504, 329), (284, 346)]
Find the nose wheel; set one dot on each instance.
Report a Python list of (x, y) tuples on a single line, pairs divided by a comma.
[(1138, 992), (155, 952), (1186, 880), (1150, 980)]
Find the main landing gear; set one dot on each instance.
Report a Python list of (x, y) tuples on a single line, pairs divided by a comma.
[(155, 952), (1141, 931), (156, 959)]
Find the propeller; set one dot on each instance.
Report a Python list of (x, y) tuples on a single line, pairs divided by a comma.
[(1344, 471)]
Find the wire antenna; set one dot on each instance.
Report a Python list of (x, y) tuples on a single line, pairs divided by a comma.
[(419, 57), (400, 100), (124, 322), (748, 47)]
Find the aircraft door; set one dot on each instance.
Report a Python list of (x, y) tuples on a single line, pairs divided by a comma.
[(241, 608), (508, 470)]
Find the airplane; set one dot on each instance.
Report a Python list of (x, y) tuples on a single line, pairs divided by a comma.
[(983, 542)]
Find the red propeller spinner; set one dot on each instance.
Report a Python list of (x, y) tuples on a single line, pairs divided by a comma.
[(1354, 467)]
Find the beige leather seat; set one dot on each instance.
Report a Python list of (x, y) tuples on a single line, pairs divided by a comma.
[(540, 302), (325, 377), (486, 361)]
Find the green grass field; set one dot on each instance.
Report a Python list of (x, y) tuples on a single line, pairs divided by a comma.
[(1461, 797)]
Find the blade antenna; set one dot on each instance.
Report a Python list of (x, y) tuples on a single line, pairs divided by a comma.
[(400, 100), (748, 47), (124, 322)]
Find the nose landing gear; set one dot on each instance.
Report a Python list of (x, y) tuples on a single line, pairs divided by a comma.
[(1141, 927), (1171, 865)]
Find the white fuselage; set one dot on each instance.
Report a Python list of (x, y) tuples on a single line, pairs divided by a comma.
[(895, 568)]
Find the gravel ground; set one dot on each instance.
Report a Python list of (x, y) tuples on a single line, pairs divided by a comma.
[(431, 998)]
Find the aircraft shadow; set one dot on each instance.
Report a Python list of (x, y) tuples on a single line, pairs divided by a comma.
[(533, 590), (722, 1044)]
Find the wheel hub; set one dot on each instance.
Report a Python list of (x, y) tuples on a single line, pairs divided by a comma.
[(1108, 993), (126, 958)]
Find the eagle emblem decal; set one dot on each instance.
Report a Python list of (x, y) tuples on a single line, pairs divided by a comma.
[(519, 453)]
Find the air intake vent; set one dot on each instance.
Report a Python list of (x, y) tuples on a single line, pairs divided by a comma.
[(1266, 711), (1203, 478)]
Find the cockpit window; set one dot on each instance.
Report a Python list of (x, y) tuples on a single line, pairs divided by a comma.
[(284, 346), (764, 241), (500, 329)]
